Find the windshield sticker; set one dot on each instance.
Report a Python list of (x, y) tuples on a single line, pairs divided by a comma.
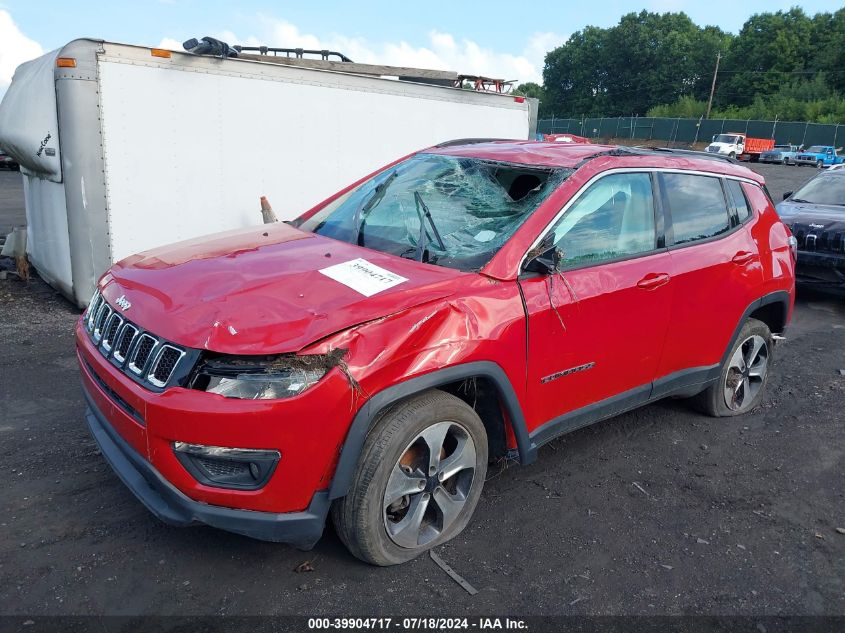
[(485, 235), (363, 276)]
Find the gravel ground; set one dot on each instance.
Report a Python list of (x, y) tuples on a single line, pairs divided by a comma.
[(659, 511)]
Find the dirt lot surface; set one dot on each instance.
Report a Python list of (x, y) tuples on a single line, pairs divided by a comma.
[(659, 511)]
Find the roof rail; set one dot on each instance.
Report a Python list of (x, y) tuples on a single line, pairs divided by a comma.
[(693, 153), (297, 53), (624, 150), (471, 141)]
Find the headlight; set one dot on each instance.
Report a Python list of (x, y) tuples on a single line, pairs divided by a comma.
[(264, 377)]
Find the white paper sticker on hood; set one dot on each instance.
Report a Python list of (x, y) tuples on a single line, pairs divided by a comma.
[(363, 276)]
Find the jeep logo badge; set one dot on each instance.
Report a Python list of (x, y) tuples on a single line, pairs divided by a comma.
[(123, 302)]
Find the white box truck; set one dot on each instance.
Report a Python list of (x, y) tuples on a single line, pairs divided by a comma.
[(124, 148)]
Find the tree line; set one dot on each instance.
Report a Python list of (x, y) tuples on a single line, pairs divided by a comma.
[(785, 65)]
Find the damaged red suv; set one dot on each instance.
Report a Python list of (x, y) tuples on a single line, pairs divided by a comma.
[(471, 302)]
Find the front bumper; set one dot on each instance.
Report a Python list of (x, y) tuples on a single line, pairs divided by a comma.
[(300, 529)]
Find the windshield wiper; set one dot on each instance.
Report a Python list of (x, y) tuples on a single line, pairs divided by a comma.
[(800, 200), (361, 212), (424, 214)]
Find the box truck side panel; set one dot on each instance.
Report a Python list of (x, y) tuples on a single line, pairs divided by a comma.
[(188, 150), (47, 244), (29, 132), (82, 168), (29, 128)]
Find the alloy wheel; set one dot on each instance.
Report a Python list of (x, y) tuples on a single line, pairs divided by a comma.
[(429, 485), (746, 373)]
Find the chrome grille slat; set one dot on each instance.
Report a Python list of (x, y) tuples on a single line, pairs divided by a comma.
[(110, 331), (124, 342), (164, 364), (92, 310), (103, 314), (145, 357), (144, 349)]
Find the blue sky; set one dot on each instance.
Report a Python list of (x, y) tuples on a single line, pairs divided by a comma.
[(504, 39)]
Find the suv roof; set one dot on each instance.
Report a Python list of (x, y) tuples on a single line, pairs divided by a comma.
[(572, 155)]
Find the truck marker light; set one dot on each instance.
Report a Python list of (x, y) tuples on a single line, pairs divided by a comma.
[(65, 62), (160, 52)]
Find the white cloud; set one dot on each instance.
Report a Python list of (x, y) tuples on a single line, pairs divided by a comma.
[(168, 43), (442, 50), (15, 48)]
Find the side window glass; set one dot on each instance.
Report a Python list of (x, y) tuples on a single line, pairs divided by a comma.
[(613, 218), (697, 205), (743, 211)]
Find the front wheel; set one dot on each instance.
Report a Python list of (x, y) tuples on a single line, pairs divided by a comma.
[(819, 164), (744, 376), (732, 154), (418, 480)]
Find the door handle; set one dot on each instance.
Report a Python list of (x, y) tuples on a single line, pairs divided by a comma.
[(742, 257), (652, 281)]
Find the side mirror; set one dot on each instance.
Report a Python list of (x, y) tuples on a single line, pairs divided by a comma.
[(546, 262), (787, 194)]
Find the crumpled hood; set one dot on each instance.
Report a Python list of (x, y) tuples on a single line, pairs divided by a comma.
[(260, 290)]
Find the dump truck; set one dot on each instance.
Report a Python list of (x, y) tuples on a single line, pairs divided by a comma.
[(125, 148), (741, 146)]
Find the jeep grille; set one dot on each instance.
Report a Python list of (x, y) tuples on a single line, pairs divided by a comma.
[(141, 355)]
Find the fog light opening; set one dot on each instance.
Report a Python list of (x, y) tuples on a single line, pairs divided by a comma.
[(223, 467)]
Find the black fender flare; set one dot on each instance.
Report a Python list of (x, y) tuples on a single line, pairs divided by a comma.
[(779, 296), (363, 420)]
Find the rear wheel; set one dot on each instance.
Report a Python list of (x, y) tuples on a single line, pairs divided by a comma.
[(744, 376), (418, 481)]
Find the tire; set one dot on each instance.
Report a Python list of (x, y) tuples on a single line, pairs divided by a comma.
[(397, 452), (732, 155), (745, 386), (819, 164)]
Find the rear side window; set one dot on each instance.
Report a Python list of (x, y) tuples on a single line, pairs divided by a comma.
[(697, 205), (743, 211)]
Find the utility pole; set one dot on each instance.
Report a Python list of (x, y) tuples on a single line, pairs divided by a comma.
[(713, 85)]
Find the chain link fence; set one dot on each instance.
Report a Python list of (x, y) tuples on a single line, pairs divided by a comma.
[(688, 131)]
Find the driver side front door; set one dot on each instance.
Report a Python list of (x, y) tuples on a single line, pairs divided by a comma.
[(596, 328)]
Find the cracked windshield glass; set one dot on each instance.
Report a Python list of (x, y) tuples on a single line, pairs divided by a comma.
[(446, 210)]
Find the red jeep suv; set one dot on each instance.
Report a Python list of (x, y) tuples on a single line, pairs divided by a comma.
[(470, 302)]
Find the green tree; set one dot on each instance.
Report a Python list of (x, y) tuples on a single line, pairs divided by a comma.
[(828, 45), (769, 51), (575, 75), (534, 91), (647, 59)]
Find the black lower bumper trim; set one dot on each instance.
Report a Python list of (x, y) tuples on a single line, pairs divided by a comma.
[(163, 499)]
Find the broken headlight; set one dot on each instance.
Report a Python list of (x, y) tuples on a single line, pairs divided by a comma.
[(262, 378)]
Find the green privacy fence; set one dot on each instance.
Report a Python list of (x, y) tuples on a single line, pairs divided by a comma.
[(693, 130)]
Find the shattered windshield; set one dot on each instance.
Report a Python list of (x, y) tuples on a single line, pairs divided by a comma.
[(446, 210)]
